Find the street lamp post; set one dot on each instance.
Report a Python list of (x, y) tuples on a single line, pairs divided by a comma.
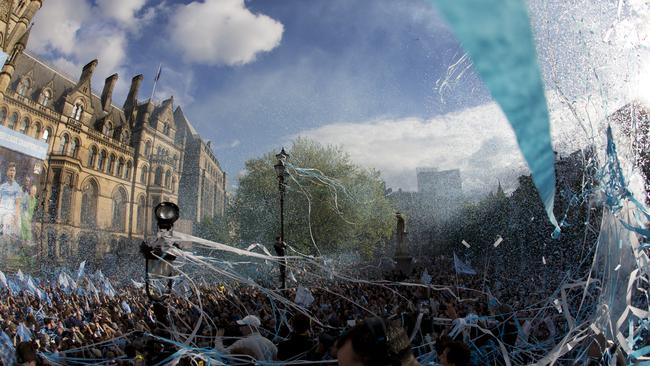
[(280, 170)]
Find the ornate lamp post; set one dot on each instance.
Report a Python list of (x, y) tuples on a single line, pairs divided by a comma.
[(280, 170)]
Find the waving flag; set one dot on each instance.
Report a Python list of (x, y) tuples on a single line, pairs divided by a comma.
[(461, 267)]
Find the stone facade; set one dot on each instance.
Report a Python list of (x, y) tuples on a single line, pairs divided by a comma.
[(107, 165)]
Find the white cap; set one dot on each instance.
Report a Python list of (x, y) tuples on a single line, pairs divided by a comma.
[(250, 320)]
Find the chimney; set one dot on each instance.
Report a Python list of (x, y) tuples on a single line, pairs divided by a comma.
[(107, 93), (87, 71), (132, 98)]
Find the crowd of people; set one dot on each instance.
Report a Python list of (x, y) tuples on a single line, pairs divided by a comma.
[(458, 321)]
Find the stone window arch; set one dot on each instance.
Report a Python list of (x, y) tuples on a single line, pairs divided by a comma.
[(74, 147), (120, 167), (147, 148), (23, 86), (108, 128), (101, 163), (111, 164), (168, 179), (173, 184), (125, 137), (129, 167), (143, 174), (24, 126), (90, 193), (63, 144), (92, 156), (119, 209), (3, 115), (77, 109), (12, 120), (157, 180), (37, 130), (47, 134), (45, 98)]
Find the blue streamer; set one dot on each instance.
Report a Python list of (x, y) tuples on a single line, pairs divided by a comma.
[(498, 38)]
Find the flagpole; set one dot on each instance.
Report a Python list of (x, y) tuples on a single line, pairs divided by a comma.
[(155, 81)]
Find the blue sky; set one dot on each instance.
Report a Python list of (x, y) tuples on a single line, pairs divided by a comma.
[(253, 75)]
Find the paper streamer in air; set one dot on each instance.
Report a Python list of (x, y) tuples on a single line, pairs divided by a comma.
[(498, 38)]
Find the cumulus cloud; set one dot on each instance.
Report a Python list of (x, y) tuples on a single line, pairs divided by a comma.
[(217, 32), (478, 141), (70, 33)]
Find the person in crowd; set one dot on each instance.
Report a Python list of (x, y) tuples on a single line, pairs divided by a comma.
[(253, 343), (299, 342), (375, 343)]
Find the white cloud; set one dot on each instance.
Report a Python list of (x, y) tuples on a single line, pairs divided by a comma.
[(217, 32), (71, 33), (123, 11), (478, 141)]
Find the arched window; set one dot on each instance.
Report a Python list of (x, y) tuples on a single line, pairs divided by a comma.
[(92, 156), (63, 144), (168, 179), (74, 148), (147, 148), (45, 97), (90, 192), (173, 184), (139, 226), (47, 134), (143, 175), (157, 180), (12, 121), (3, 115), (37, 130), (77, 110), (159, 150), (102, 161), (166, 128), (120, 167), (175, 161), (108, 128), (119, 209), (111, 164), (125, 137), (127, 174), (23, 86), (24, 126)]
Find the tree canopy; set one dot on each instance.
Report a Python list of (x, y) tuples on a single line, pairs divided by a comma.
[(331, 204)]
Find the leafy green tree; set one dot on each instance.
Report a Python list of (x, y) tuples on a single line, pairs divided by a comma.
[(331, 204)]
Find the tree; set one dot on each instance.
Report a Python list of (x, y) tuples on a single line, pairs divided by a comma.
[(331, 204)]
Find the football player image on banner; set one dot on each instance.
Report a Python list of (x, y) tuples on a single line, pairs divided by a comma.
[(21, 169)]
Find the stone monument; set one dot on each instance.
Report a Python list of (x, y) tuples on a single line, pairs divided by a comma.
[(403, 261)]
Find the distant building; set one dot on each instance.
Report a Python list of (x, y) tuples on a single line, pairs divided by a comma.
[(439, 183)]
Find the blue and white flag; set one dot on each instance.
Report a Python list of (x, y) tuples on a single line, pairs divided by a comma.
[(80, 273), (3, 280), (126, 307), (24, 333), (7, 358), (426, 278), (20, 275), (29, 286), (462, 268)]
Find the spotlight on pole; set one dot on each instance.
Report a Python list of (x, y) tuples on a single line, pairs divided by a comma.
[(158, 260)]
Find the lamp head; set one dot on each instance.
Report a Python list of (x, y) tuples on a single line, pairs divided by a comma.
[(166, 214)]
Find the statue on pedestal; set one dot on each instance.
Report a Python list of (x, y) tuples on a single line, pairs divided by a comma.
[(402, 258)]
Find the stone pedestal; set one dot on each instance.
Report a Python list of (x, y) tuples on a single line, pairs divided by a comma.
[(404, 263)]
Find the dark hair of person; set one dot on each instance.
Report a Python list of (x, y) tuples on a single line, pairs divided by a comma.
[(377, 344), (458, 353), (25, 352), (300, 323)]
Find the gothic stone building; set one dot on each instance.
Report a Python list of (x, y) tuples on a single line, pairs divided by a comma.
[(107, 165)]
